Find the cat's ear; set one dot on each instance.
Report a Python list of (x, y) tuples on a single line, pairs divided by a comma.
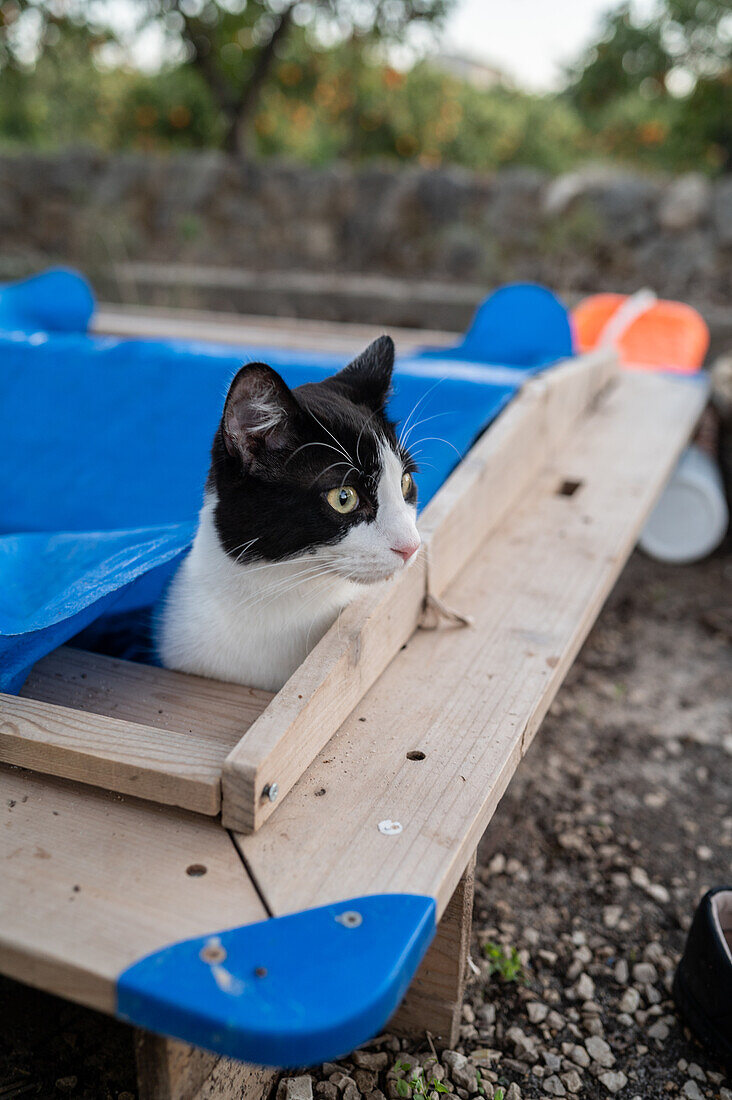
[(368, 378), (259, 414)]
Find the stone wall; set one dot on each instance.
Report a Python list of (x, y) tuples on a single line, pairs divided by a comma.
[(584, 231)]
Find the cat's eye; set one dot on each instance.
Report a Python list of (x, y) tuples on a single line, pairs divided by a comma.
[(407, 485), (343, 500)]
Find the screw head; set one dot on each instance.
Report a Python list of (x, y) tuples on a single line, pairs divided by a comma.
[(350, 919), (213, 951), (271, 791)]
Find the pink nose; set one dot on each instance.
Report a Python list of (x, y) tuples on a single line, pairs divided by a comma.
[(406, 550)]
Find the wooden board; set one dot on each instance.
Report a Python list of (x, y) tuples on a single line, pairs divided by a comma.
[(505, 463), (171, 1070), (303, 716), (233, 328), (321, 692), (132, 728), (468, 702), (445, 726), (92, 882), (434, 1001)]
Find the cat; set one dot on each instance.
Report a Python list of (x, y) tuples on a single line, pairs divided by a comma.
[(310, 497)]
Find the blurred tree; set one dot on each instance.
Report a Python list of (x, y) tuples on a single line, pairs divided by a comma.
[(663, 83), (233, 44), (49, 81)]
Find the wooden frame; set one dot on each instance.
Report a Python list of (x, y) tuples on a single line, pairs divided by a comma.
[(212, 747), (94, 881)]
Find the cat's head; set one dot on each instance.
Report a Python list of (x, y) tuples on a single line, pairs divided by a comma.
[(316, 471)]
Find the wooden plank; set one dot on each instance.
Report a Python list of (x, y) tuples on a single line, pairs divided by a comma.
[(317, 697), (468, 702), (170, 1070), (232, 328), (86, 717), (506, 461), (93, 881), (175, 701), (280, 745), (108, 752), (434, 1001)]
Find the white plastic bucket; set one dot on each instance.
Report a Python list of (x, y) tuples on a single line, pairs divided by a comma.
[(690, 519)]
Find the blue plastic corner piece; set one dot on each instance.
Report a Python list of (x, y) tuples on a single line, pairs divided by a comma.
[(58, 300), (519, 325), (289, 991)]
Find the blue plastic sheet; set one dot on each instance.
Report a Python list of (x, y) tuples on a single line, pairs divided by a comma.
[(104, 447)]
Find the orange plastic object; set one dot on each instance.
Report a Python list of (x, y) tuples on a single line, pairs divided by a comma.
[(668, 336)]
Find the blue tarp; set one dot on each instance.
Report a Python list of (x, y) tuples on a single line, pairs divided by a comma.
[(104, 446)]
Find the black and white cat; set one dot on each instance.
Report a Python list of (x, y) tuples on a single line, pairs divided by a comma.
[(310, 496)]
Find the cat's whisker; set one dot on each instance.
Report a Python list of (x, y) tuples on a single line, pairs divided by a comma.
[(280, 589), (327, 430), (315, 443), (244, 548), (314, 565), (416, 406), (419, 423), (438, 439), (332, 467), (421, 465), (311, 560), (358, 440)]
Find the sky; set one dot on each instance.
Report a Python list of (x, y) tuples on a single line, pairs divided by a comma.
[(529, 40)]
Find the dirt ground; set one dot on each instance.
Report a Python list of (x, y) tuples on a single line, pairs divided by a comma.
[(617, 821)]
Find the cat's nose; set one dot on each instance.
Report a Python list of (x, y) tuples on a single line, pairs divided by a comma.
[(406, 549)]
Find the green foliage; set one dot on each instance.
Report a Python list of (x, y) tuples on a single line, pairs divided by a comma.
[(63, 98), (342, 103), (258, 73), (172, 109), (503, 961), (417, 1083), (659, 91)]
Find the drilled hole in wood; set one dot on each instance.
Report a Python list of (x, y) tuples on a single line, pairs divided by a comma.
[(568, 488), (196, 870), (416, 754)]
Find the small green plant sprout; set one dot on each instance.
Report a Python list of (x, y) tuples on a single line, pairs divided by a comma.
[(499, 1094), (418, 1083), (503, 961)]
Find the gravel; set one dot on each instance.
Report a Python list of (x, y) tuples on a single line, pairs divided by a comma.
[(590, 869)]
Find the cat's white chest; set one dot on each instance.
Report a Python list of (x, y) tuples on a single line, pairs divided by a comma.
[(245, 624)]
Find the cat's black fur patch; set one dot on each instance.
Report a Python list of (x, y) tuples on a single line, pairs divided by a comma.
[(271, 484)]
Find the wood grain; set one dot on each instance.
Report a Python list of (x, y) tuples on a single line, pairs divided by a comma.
[(174, 701), (434, 1000), (502, 466), (93, 881), (472, 700), (325, 688), (233, 328), (131, 728), (171, 1070)]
